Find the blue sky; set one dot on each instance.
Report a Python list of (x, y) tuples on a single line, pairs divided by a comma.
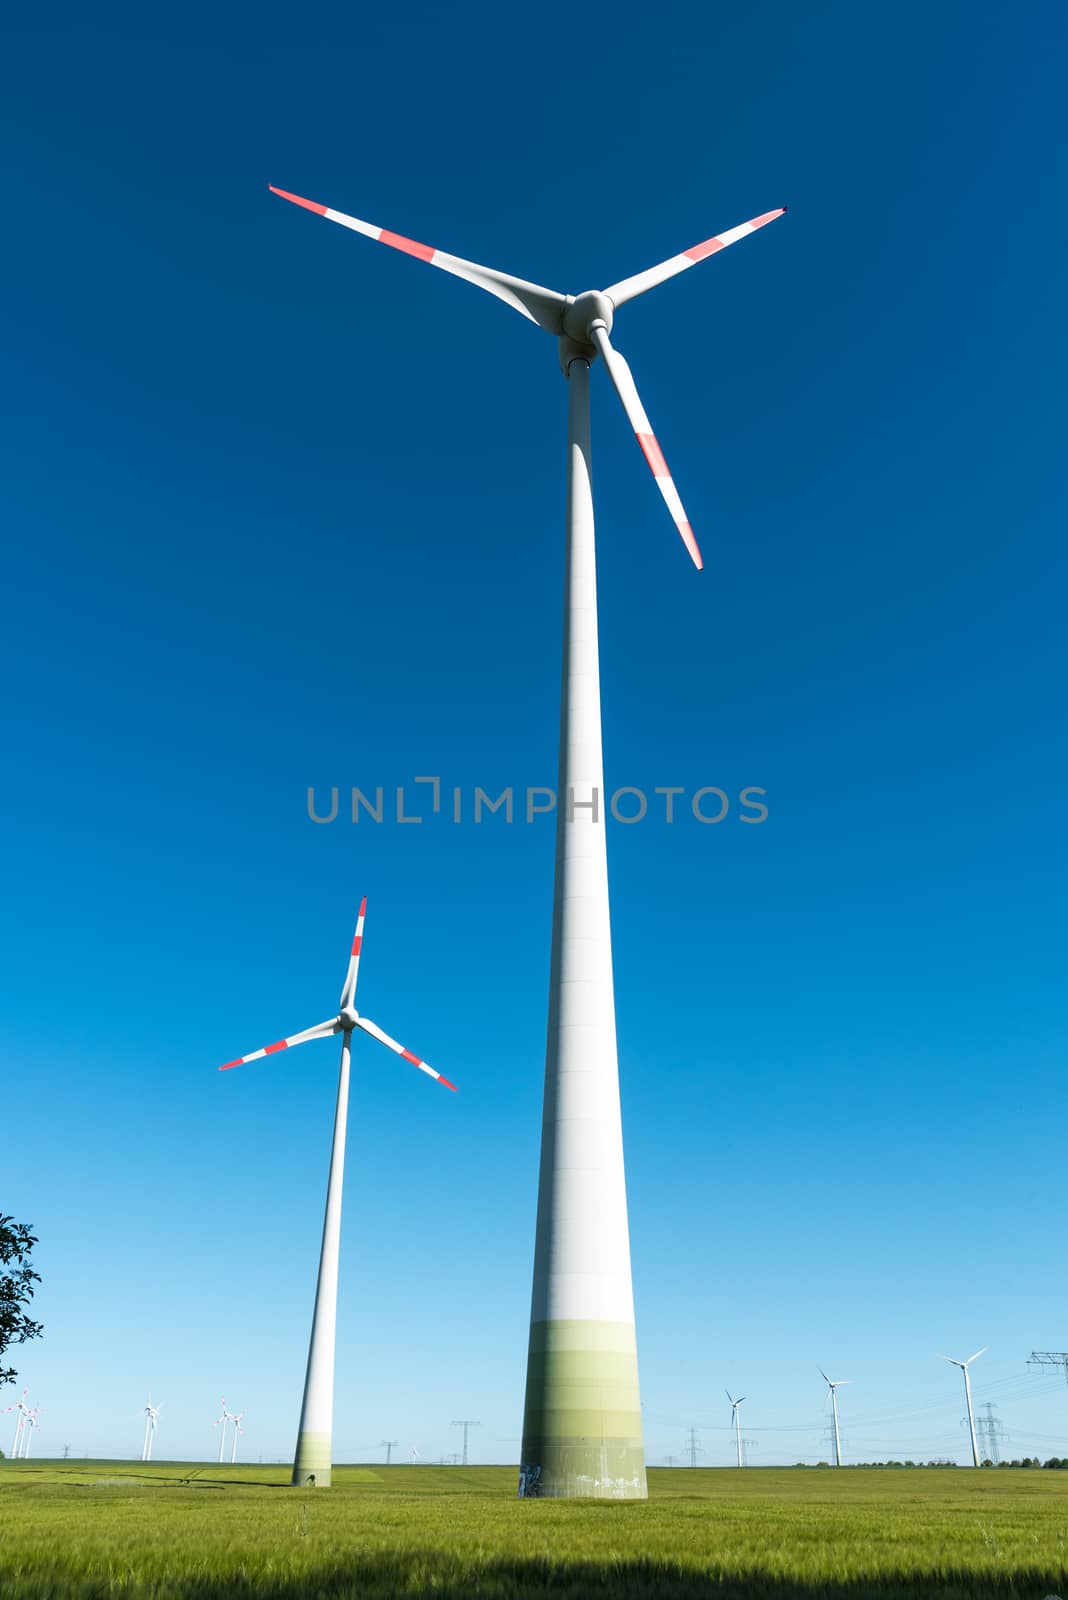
[(285, 509)]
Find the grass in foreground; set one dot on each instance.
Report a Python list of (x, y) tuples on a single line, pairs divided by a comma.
[(96, 1530)]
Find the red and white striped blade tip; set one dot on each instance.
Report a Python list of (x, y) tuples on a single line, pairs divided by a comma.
[(321, 1030), (654, 457), (298, 200), (268, 1050), (709, 247), (431, 1072), (424, 1066)]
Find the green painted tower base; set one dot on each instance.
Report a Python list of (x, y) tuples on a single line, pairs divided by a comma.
[(582, 1419), (311, 1469)]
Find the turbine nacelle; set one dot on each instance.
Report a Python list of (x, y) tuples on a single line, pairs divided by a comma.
[(964, 1365), (580, 314)]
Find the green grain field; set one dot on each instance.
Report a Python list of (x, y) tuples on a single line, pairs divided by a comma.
[(80, 1530)]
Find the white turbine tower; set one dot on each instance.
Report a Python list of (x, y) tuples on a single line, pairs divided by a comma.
[(832, 1386), (312, 1462), (151, 1414), (735, 1404), (964, 1365), (223, 1422), (29, 1429), (236, 1420), (582, 1430), (22, 1412)]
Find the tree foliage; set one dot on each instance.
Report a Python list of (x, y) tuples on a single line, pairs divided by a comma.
[(17, 1279)]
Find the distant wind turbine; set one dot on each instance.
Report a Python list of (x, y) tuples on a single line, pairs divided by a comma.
[(832, 1385), (151, 1422), (313, 1457), (28, 1430), (22, 1412), (737, 1423), (964, 1365), (223, 1421)]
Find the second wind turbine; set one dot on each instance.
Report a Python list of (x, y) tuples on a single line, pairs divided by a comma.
[(833, 1385), (582, 1428), (736, 1420), (964, 1365), (313, 1458)]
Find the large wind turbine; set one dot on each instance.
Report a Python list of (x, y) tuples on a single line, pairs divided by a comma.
[(833, 1385), (312, 1462), (964, 1365), (735, 1406), (582, 1430)]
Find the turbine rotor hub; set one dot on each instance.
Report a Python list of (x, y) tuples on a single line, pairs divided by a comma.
[(583, 311), (348, 1018)]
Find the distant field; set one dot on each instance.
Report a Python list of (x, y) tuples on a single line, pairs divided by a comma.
[(83, 1530)]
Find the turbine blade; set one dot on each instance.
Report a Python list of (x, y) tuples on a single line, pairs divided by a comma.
[(728, 1394), (348, 991), (823, 1375), (952, 1361), (376, 1033), (623, 382), (543, 306), (630, 288), (977, 1354), (322, 1030)]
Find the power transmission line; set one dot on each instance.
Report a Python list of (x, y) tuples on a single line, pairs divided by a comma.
[(465, 1423), (694, 1448), (1050, 1358)]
